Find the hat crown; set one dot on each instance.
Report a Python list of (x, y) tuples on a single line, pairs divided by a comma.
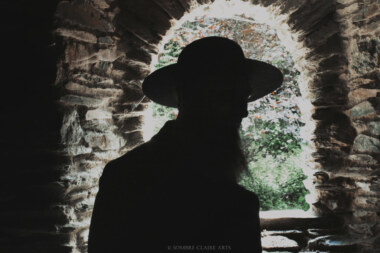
[(211, 52)]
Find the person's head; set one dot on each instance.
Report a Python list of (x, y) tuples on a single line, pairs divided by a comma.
[(218, 99), (212, 77), (211, 84)]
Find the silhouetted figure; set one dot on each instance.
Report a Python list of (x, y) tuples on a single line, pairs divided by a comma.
[(179, 192)]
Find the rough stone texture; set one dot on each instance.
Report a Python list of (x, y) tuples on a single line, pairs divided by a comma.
[(360, 28), (102, 50), (364, 109), (364, 143)]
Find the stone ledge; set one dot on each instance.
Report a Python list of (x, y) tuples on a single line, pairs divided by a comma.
[(296, 220)]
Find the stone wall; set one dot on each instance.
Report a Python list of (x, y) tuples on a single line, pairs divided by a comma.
[(361, 31), (103, 49)]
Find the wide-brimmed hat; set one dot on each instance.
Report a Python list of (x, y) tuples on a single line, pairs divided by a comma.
[(210, 56)]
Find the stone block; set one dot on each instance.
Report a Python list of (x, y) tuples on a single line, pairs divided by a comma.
[(278, 242), (78, 100), (374, 127), (361, 82), (365, 216), (77, 150), (77, 35), (332, 45), (313, 232), (75, 52), (78, 89), (97, 124), (104, 141), (107, 40), (71, 130), (360, 229), (133, 140), (366, 144), (143, 19), (364, 109), (98, 114), (174, 8), (130, 124), (360, 126), (366, 203), (362, 160), (101, 4), (359, 95), (341, 243), (83, 14)]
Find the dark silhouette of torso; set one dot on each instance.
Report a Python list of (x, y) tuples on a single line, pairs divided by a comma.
[(161, 197)]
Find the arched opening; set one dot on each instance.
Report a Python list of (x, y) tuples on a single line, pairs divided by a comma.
[(118, 63), (105, 50), (271, 133)]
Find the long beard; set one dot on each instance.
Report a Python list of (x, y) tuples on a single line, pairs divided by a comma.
[(221, 154)]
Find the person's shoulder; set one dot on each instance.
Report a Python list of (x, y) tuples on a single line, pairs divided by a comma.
[(128, 163), (250, 198)]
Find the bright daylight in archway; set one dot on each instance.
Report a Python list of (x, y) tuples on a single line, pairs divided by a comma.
[(271, 133)]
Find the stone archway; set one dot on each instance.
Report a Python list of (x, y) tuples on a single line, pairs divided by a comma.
[(105, 51), (107, 59)]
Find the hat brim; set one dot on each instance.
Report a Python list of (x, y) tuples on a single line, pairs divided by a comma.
[(160, 86)]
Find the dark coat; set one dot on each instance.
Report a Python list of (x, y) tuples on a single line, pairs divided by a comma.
[(153, 200)]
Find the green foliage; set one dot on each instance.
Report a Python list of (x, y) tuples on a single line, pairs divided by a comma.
[(269, 138), (161, 114), (172, 49), (277, 181)]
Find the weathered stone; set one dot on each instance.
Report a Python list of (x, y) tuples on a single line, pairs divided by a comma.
[(78, 53), (365, 216), (92, 80), (77, 35), (333, 243), (107, 40), (77, 149), (313, 232), (102, 67), (360, 95), (362, 60), (84, 15), (93, 92), (296, 235), (98, 114), (321, 176), (360, 126), (342, 182), (374, 127), (361, 82), (133, 139), (101, 4), (71, 130), (129, 124), (298, 221), (364, 143), (366, 203), (173, 8), (85, 101), (314, 12), (360, 229), (348, 9), (362, 159), (98, 125), (104, 141), (278, 243), (364, 109)]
